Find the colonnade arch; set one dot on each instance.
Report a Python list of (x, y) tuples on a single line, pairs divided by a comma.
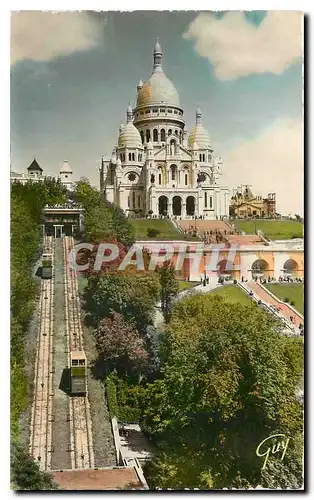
[(177, 205)]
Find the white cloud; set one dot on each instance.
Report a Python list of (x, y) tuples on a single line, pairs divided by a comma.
[(236, 47), (41, 36), (271, 162)]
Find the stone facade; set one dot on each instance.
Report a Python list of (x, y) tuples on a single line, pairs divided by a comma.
[(154, 168)]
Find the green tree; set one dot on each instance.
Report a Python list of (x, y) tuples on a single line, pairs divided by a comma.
[(26, 474), (27, 202), (99, 227), (86, 194), (124, 231), (134, 297), (229, 381), (169, 288)]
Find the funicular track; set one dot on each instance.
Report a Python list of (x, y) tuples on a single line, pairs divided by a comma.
[(82, 453), (41, 413)]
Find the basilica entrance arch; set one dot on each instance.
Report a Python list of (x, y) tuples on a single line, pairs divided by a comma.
[(177, 205), (190, 205), (290, 267), (225, 268), (260, 268), (163, 205)]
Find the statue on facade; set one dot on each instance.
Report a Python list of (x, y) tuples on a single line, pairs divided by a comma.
[(152, 179)]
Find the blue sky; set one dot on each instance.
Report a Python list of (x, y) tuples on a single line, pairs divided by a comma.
[(72, 79)]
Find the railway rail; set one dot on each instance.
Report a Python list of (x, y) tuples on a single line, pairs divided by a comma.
[(82, 454), (40, 446)]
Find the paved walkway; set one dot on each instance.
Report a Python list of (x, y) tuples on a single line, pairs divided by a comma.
[(284, 309)]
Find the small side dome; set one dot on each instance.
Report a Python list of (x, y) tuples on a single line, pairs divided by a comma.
[(66, 168), (129, 136), (199, 134)]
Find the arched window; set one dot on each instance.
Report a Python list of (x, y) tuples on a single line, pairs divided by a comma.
[(204, 157), (133, 199), (176, 132), (210, 202), (142, 136), (147, 135), (130, 157), (128, 202), (200, 157), (155, 135), (169, 131), (173, 169), (162, 135), (133, 156), (159, 178), (205, 199), (139, 201), (186, 179)]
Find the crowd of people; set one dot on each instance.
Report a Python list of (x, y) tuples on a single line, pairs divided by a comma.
[(211, 236), (289, 279), (271, 279), (68, 204)]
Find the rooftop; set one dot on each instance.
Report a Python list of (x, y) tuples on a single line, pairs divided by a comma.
[(115, 478)]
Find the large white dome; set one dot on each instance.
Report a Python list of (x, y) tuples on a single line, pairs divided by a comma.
[(158, 89), (199, 134)]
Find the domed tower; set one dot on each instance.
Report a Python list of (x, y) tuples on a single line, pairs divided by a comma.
[(200, 135), (128, 172), (158, 113), (65, 175), (130, 147)]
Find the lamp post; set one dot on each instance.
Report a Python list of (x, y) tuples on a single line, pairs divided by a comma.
[(251, 297)]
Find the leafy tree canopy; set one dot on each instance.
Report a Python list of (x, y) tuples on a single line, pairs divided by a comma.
[(228, 382), (134, 297), (26, 474)]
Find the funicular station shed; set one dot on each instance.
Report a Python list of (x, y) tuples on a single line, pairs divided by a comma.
[(62, 220)]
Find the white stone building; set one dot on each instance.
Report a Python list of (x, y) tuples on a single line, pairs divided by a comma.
[(36, 174), (155, 168)]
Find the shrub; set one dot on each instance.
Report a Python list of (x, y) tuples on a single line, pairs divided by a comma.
[(235, 282), (292, 303), (150, 212), (152, 232), (111, 395), (129, 415), (286, 299)]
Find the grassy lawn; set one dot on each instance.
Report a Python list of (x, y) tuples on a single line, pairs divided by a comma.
[(166, 229), (293, 291), (184, 285), (273, 229), (232, 293)]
